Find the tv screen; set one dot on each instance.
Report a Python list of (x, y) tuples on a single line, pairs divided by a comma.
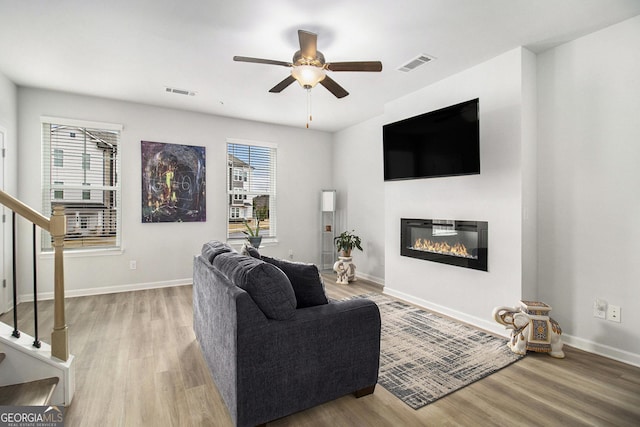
[(444, 142)]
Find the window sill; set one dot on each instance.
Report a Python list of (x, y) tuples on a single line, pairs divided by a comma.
[(266, 242), (83, 253)]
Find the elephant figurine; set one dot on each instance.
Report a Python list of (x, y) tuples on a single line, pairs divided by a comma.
[(346, 270), (531, 328)]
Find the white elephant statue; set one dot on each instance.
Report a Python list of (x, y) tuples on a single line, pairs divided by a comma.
[(531, 329), (346, 270)]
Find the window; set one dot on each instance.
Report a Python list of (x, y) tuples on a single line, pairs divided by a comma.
[(86, 194), (58, 194), (58, 158), (251, 187), (238, 199), (239, 174), (91, 158), (86, 161)]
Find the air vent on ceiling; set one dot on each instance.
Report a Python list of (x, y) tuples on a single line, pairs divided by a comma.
[(416, 62), (179, 91)]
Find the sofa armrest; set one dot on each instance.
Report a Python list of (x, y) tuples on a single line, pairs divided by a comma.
[(217, 306), (324, 352)]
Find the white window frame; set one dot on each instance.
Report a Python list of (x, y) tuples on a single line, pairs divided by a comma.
[(247, 193), (84, 165)]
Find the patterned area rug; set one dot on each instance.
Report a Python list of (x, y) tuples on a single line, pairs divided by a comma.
[(424, 357)]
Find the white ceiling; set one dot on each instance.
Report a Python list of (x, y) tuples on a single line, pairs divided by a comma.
[(131, 50)]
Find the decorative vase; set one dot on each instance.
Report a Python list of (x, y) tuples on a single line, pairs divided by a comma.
[(345, 269), (255, 241)]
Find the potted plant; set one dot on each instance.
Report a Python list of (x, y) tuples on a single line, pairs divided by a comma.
[(346, 241), (253, 234)]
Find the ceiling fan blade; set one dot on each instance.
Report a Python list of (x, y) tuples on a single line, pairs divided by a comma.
[(261, 61), (308, 44), (355, 66), (282, 85), (333, 87)]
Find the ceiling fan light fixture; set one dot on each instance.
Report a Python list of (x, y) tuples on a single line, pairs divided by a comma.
[(308, 67), (308, 75)]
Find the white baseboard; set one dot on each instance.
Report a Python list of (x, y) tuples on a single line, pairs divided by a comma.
[(108, 289), (374, 279), (485, 324), (602, 350), (579, 343)]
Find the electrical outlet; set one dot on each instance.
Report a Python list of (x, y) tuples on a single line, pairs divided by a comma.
[(600, 309), (613, 313), (133, 265)]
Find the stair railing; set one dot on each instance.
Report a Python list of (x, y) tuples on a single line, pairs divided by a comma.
[(56, 226)]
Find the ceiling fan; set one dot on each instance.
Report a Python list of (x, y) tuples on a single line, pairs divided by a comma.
[(309, 67)]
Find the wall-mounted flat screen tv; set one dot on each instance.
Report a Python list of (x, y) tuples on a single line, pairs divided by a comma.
[(444, 142)]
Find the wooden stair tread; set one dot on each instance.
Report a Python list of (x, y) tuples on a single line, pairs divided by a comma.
[(33, 393)]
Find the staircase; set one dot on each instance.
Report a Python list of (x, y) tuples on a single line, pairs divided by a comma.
[(25, 369), (32, 372), (32, 393)]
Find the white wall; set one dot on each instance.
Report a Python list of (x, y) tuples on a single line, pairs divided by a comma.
[(559, 188), (8, 122), (164, 251), (374, 208), (358, 179), (589, 186), (494, 196)]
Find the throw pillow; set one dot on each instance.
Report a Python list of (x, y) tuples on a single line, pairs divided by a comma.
[(267, 285), (212, 249), (249, 250), (305, 279)]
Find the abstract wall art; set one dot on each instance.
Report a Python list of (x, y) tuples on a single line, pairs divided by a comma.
[(173, 182)]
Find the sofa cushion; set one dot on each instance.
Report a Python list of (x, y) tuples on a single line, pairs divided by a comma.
[(212, 249), (305, 279), (249, 250), (267, 285)]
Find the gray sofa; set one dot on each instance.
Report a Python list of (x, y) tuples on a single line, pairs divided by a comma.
[(271, 349)]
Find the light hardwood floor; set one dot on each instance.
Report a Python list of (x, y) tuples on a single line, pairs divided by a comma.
[(138, 364)]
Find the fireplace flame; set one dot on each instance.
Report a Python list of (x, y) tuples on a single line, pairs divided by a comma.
[(458, 249)]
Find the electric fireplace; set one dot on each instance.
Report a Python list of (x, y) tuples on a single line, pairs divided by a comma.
[(461, 243)]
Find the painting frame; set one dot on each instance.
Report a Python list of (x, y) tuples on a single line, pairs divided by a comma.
[(173, 182)]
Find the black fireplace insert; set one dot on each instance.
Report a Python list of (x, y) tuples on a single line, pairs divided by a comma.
[(461, 243)]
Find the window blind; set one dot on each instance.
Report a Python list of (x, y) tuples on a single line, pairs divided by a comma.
[(81, 169), (251, 188)]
